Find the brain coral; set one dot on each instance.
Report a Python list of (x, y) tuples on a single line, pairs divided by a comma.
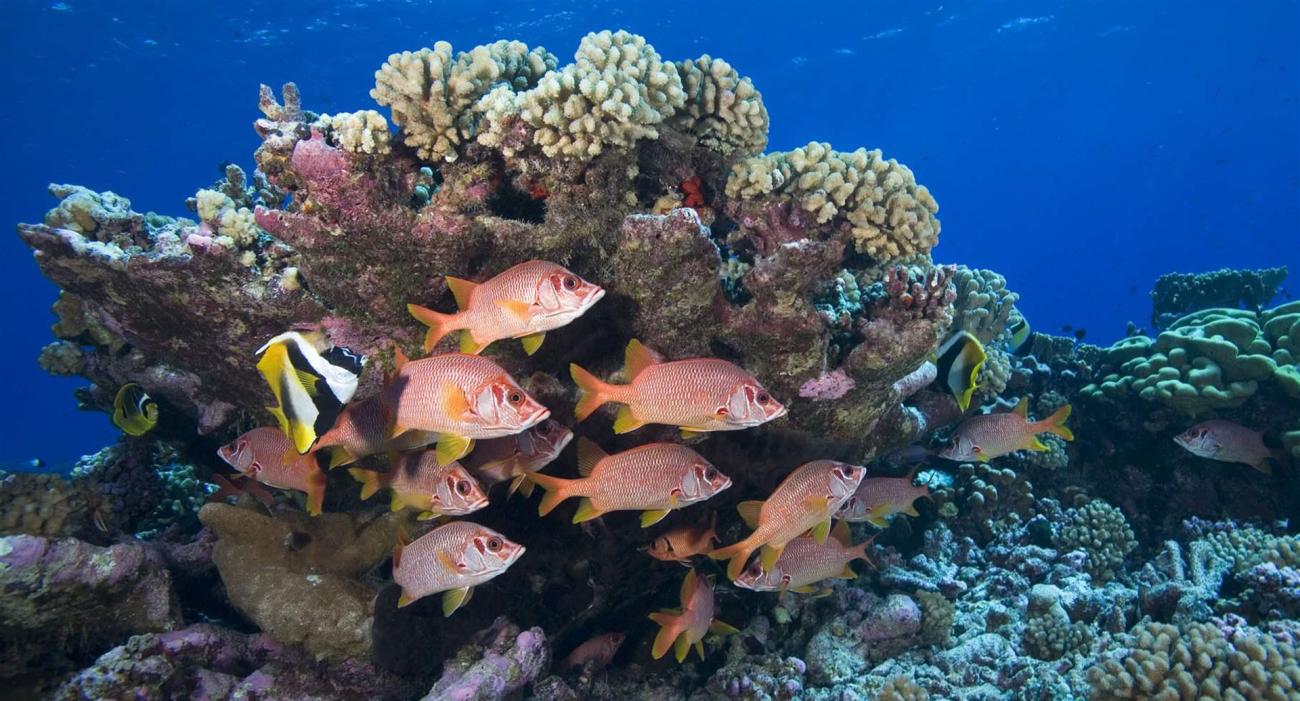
[(1167, 663), (723, 111), (888, 216)]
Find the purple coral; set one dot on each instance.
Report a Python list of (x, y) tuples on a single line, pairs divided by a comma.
[(827, 386), (511, 660)]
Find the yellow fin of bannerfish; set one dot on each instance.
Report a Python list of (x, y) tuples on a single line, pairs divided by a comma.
[(452, 448), (625, 422), (532, 342), (650, 518), (461, 290), (454, 599), (133, 410)]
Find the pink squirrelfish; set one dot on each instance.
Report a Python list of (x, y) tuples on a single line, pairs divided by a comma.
[(682, 543), (682, 629), (879, 498), (598, 651), (805, 563), (513, 458), (417, 480), (363, 429), (654, 478), (989, 436), (268, 456), (453, 558), (523, 302), (698, 395), (806, 499), (461, 398), (1227, 442)]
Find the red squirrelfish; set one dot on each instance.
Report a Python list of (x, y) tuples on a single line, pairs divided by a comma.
[(461, 398), (513, 458), (685, 628), (418, 481), (698, 395), (364, 429), (1227, 442), (806, 499), (989, 436), (654, 478), (879, 498), (805, 562), (523, 302), (682, 543), (268, 456), (597, 651), (453, 558)]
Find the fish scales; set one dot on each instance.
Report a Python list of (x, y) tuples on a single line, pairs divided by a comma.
[(636, 479), (421, 567), (659, 392)]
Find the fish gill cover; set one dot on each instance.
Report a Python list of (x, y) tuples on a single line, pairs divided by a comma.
[(762, 325)]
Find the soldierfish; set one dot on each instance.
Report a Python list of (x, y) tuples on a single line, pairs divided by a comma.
[(453, 558), (879, 498), (513, 458), (523, 302), (461, 398), (311, 379), (682, 543), (266, 455), (807, 499), (698, 395), (364, 429), (805, 562), (685, 628), (654, 478), (1226, 441), (417, 480), (989, 436), (598, 651)]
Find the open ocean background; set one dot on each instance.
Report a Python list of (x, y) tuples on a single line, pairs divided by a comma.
[(1079, 148)]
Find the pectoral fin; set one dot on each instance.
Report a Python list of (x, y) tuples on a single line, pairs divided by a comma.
[(721, 628), (454, 599), (769, 556), (532, 342), (452, 448), (821, 530)]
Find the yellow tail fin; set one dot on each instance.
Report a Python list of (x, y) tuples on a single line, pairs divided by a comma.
[(439, 324), (592, 391), (369, 479), (668, 632), (1056, 423), (556, 491)]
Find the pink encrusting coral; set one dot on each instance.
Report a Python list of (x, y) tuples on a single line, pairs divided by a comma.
[(827, 386)]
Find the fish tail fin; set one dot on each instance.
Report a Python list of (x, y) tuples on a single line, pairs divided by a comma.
[(557, 490), (439, 324), (1056, 423), (315, 492), (669, 630), (737, 554), (859, 551), (592, 391), (369, 479)]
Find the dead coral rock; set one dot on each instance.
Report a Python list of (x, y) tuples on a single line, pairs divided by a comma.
[(296, 576), (46, 505), (502, 664)]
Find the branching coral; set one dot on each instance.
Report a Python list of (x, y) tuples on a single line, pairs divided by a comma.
[(1049, 633), (99, 216), (984, 306), (722, 110), (886, 214), (1101, 531), (363, 131), (435, 97), (902, 689)]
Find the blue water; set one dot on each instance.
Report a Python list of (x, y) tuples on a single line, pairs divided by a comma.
[(1081, 149)]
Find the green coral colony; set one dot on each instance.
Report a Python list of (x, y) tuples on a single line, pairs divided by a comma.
[(1117, 566)]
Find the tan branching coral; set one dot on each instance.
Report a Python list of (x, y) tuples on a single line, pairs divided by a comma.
[(887, 214), (902, 689), (723, 111), (433, 95), (1101, 531), (1049, 633), (363, 131), (937, 616), (984, 306), (233, 225)]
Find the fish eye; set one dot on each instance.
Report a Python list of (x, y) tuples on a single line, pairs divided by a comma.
[(756, 569), (515, 397), (763, 397), (711, 474), (494, 544), (570, 282), (976, 449), (462, 488)]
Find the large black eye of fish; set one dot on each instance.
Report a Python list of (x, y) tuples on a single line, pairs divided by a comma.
[(494, 544), (756, 569), (462, 487), (763, 397), (515, 397), (570, 282), (711, 474)]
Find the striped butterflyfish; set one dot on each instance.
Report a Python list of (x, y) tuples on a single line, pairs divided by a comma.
[(959, 360), (312, 379), (134, 411)]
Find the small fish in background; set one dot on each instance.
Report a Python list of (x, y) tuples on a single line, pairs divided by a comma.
[(878, 499), (1226, 441), (134, 411), (685, 628), (523, 302), (266, 455), (655, 479), (805, 562), (596, 652), (515, 457), (1080, 334), (683, 543), (363, 429), (418, 481), (453, 558), (311, 379), (461, 398), (697, 395), (990, 436), (959, 360), (807, 499)]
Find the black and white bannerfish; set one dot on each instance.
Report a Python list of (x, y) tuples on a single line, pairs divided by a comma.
[(312, 379), (1021, 337), (959, 360), (135, 412)]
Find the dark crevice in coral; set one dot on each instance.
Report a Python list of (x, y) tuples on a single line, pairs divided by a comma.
[(508, 202)]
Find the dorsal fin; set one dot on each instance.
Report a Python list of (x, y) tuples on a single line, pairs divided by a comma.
[(840, 532), (461, 290), (1022, 408), (636, 358), (588, 455), (689, 585), (749, 511)]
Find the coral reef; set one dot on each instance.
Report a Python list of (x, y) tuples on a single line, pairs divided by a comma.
[(1176, 294), (1101, 532)]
